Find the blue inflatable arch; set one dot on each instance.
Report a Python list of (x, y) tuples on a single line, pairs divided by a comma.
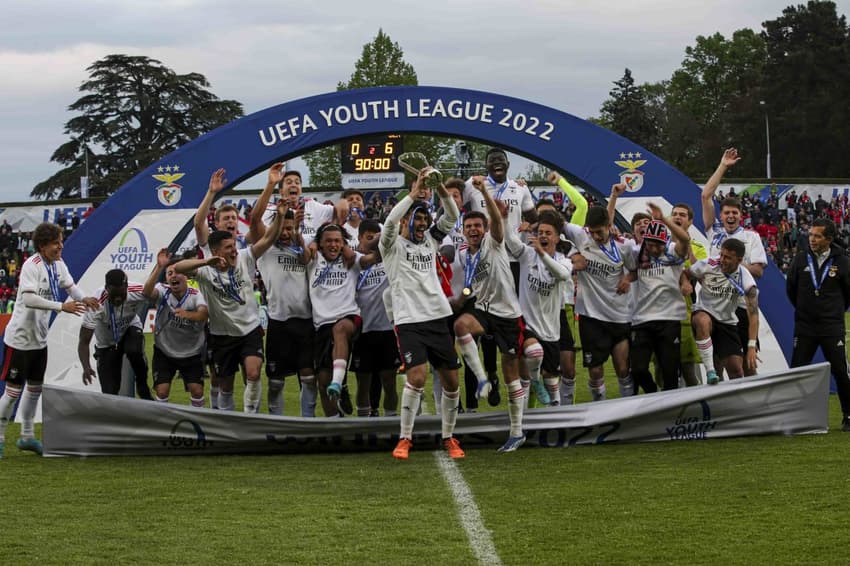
[(594, 155)]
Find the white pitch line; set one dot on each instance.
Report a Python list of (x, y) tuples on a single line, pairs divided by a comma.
[(478, 535)]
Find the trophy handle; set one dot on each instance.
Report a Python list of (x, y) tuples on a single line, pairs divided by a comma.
[(433, 177)]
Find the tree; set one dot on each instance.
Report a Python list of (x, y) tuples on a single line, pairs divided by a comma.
[(712, 103), (807, 76), (135, 110), (625, 113), (381, 63)]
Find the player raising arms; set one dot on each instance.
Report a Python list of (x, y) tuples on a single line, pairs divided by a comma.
[(496, 311), (43, 276), (420, 310), (227, 282), (541, 270), (658, 302), (179, 341), (290, 336)]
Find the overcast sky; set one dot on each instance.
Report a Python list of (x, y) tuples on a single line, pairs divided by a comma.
[(561, 53)]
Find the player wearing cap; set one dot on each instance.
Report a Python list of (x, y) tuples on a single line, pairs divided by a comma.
[(658, 302)]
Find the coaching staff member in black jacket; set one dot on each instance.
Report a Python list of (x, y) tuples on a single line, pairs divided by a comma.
[(818, 286)]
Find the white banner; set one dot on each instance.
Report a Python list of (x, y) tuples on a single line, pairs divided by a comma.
[(26, 218), (84, 423), (364, 181)]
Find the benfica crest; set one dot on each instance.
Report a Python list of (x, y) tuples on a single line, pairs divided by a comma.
[(631, 177), (169, 192)]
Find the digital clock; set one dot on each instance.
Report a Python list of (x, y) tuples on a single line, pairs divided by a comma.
[(372, 154)]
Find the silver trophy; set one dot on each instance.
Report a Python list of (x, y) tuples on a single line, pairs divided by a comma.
[(417, 163)]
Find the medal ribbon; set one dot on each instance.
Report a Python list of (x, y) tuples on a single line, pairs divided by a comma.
[(614, 253), (722, 234), (324, 274), (52, 279), (231, 288), (471, 266), (500, 189), (736, 281), (813, 272), (361, 279), (113, 323), (297, 250)]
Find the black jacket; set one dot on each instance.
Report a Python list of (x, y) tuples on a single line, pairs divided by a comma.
[(822, 314)]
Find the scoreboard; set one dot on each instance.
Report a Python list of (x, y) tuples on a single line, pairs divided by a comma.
[(371, 162)]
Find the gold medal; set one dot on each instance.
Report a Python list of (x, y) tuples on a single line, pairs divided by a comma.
[(467, 291)]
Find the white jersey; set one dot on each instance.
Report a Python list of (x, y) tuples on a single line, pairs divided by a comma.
[(285, 278), (656, 291), (178, 337), (488, 273), (230, 296), (455, 236), (752, 242), (753, 246), (718, 293), (110, 322), (332, 289), (411, 268), (371, 284), (315, 214), (241, 244), (27, 330), (540, 293), (597, 284), (516, 197), (568, 286)]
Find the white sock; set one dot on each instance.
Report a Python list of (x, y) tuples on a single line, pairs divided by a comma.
[(533, 357), (159, 399), (526, 391), (627, 386), (215, 392), (7, 407), (197, 401), (339, 367), (553, 386), (309, 393), (568, 390), (449, 402), (469, 351), (29, 402), (597, 389), (225, 401), (410, 399), (251, 397), (275, 397), (706, 353), (515, 407)]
